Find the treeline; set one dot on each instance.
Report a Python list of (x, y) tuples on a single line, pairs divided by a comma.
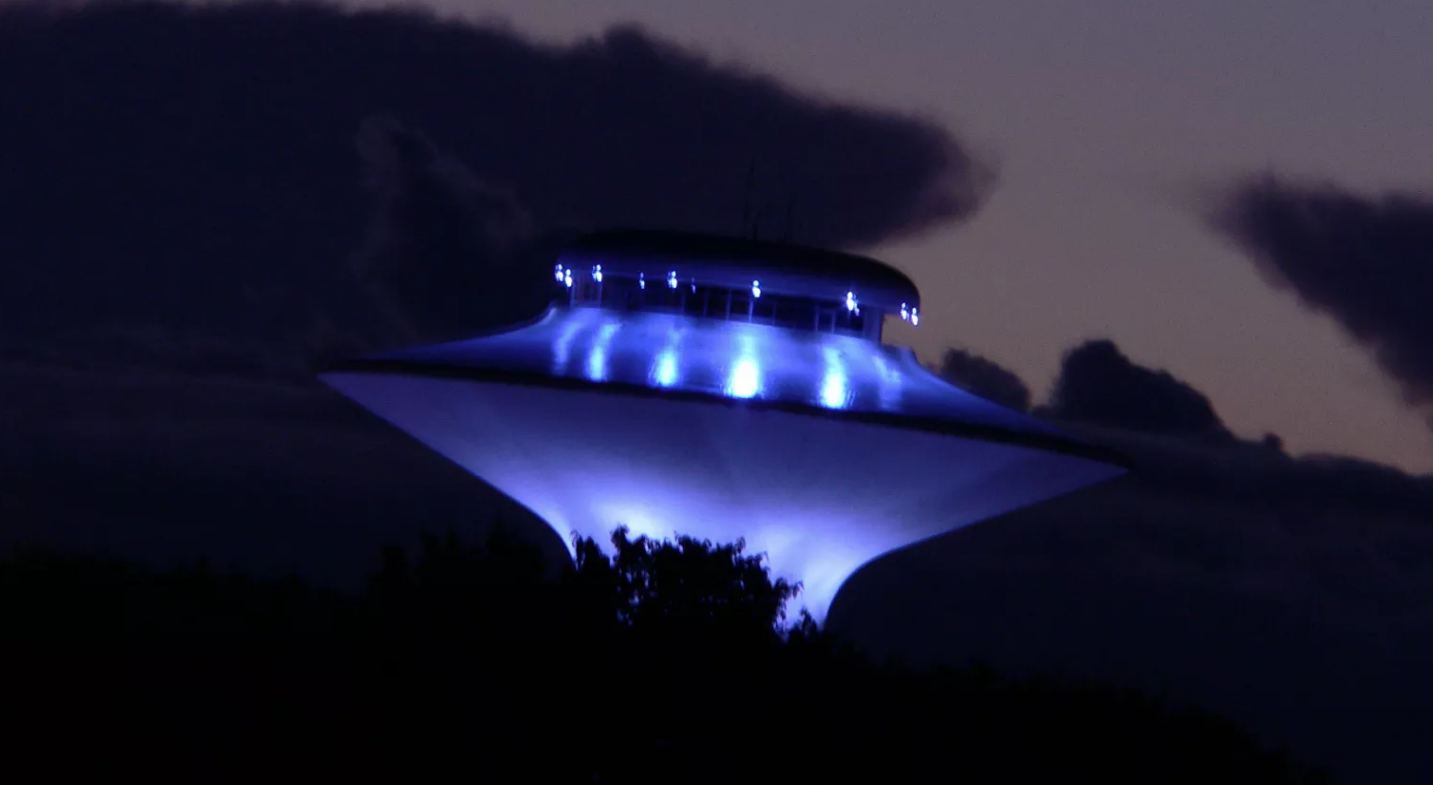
[(666, 662)]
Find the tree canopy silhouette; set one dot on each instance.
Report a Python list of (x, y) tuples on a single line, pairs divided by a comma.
[(656, 661)]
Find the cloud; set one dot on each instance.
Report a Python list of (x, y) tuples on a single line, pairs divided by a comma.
[(984, 378), (1290, 594), (1367, 261), (1099, 385), (241, 173), (265, 477), (1221, 571), (198, 201), (1225, 572), (446, 254)]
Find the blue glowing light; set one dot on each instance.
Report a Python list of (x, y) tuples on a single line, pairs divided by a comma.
[(851, 304), (664, 367), (744, 378), (745, 381), (597, 365), (888, 384), (672, 279), (597, 360), (905, 312), (567, 278), (756, 289), (641, 280), (597, 273), (915, 316), (666, 371), (835, 393), (562, 346), (557, 273)]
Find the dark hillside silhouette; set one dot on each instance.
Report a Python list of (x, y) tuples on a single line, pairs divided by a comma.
[(663, 662)]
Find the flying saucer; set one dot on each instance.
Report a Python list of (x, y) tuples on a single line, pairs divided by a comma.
[(725, 389)]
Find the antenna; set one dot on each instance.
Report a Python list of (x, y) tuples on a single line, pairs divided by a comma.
[(746, 217)]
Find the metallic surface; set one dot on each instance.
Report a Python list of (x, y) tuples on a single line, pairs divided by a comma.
[(822, 451)]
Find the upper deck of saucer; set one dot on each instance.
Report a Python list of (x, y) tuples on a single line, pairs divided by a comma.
[(734, 263)]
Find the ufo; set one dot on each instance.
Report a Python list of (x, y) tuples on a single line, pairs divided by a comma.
[(725, 389)]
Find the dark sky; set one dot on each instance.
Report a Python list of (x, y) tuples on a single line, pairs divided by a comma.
[(195, 207), (1101, 115)]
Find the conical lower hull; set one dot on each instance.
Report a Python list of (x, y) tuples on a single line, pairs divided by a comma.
[(820, 495)]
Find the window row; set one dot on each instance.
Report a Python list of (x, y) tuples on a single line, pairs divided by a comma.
[(737, 305)]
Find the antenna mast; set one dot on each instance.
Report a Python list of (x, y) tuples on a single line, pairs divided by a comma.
[(746, 217), (790, 209)]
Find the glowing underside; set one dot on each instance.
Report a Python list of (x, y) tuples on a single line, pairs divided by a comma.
[(820, 496)]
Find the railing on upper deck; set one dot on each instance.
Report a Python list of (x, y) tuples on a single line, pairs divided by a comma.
[(747, 304)]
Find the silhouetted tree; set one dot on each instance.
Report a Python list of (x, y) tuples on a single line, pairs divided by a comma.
[(663, 661), (689, 586)]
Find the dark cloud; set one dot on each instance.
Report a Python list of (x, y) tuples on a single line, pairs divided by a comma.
[(264, 477), (126, 347), (985, 378), (1365, 260), (198, 202), (195, 202), (193, 169), (446, 254), (1099, 385), (1290, 594)]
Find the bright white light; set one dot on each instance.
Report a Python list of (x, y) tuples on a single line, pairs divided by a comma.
[(567, 278), (915, 316), (905, 312), (557, 273), (834, 392), (745, 381), (597, 273), (756, 289), (672, 279), (641, 280), (597, 365), (851, 301), (666, 371), (744, 378), (664, 367)]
